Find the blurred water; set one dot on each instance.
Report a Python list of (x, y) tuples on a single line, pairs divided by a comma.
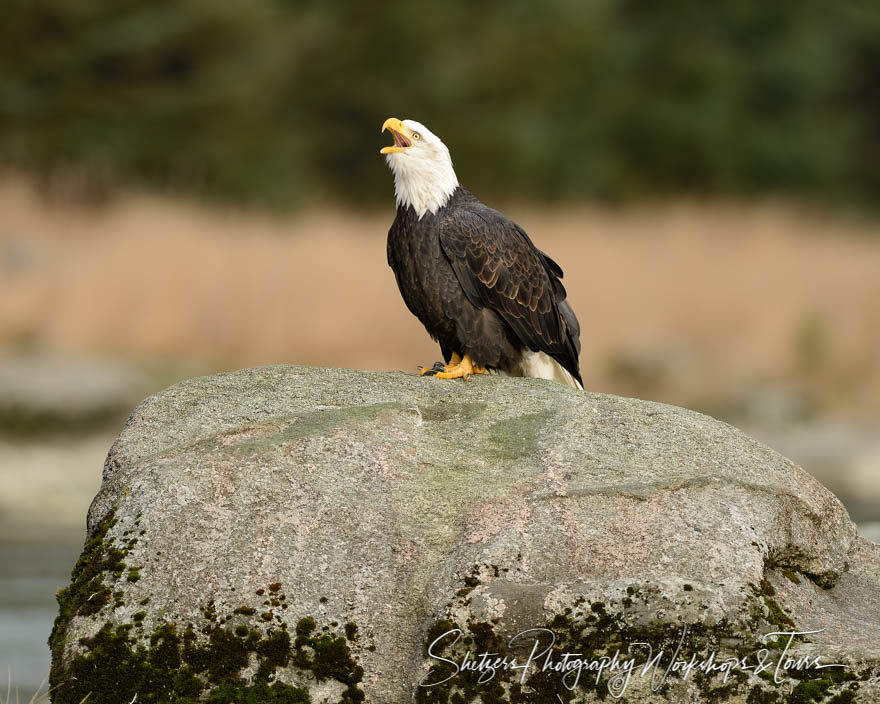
[(32, 573)]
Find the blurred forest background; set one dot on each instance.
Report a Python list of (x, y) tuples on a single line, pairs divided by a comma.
[(194, 185), (272, 102)]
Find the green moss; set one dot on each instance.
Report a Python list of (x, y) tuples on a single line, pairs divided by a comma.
[(815, 686), (275, 651), (173, 669), (810, 691), (259, 693), (332, 660), (599, 629), (483, 637), (87, 593), (305, 626), (777, 616), (209, 611), (203, 664), (328, 657), (114, 668), (224, 655), (437, 629), (791, 576)]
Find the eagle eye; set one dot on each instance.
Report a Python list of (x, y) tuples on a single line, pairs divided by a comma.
[(416, 136)]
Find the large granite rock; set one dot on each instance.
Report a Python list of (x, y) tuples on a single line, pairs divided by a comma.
[(294, 534)]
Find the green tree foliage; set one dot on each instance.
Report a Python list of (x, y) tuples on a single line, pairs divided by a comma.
[(279, 101)]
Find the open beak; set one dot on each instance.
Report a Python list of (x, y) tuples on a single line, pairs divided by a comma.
[(401, 133)]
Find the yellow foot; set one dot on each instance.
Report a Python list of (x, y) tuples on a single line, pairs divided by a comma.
[(464, 369), (440, 367)]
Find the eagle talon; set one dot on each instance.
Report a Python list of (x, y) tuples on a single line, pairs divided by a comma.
[(464, 369), (431, 371)]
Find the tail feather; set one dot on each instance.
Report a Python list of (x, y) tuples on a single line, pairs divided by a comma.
[(542, 366)]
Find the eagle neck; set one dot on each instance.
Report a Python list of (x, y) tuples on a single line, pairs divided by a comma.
[(425, 186)]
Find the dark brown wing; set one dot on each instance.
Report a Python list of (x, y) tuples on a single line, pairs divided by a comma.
[(499, 268)]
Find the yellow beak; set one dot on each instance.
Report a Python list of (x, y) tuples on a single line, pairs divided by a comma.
[(402, 136)]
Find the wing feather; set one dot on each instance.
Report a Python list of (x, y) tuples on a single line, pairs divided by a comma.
[(499, 268)]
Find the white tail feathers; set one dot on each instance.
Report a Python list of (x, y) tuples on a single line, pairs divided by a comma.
[(542, 366)]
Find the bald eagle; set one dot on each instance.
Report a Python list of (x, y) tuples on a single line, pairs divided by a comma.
[(471, 275)]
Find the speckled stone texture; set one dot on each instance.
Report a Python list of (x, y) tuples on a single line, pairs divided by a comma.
[(402, 505)]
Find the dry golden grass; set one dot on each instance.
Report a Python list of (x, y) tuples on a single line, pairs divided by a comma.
[(717, 295)]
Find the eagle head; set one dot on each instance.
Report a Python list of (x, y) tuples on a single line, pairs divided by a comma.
[(423, 173)]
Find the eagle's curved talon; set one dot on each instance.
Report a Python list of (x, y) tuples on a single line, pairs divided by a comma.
[(464, 369), (431, 371)]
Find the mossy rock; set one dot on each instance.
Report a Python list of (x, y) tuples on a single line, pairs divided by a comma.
[(289, 534)]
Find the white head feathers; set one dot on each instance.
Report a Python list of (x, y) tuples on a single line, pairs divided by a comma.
[(423, 173)]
